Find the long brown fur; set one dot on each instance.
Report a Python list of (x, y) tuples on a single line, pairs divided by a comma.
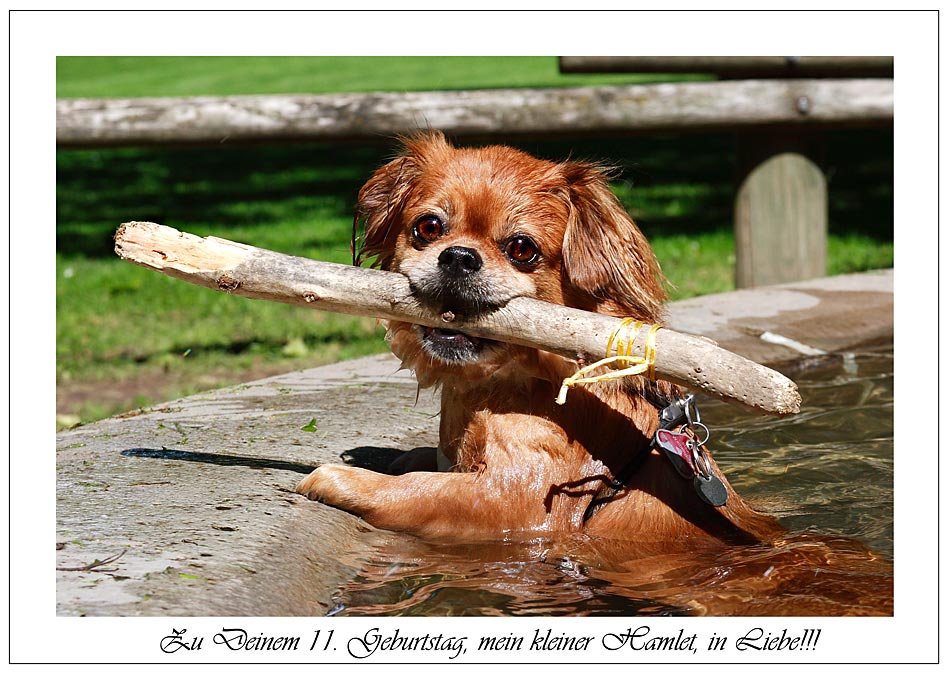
[(519, 462), (514, 464)]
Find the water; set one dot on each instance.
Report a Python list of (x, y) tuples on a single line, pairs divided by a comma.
[(829, 468), (826, 474)]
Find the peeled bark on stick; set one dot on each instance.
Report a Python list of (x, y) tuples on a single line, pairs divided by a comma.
[(236, 268)]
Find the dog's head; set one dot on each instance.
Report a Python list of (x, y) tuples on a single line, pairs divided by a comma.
[(473, 228)]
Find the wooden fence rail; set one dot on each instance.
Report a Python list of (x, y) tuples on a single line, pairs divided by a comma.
[(781, 203), (506, 112), (736, 66)]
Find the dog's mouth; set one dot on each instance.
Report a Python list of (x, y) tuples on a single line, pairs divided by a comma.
[(451, 345)]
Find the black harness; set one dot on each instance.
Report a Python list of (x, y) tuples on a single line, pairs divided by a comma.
[(677, 439)]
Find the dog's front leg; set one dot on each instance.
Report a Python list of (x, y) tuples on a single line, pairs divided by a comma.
[(429, 504)]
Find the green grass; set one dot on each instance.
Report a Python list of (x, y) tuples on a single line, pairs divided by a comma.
[(130, 337), (98, 76)]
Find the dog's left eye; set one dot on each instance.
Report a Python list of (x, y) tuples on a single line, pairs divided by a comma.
[(522, 250)]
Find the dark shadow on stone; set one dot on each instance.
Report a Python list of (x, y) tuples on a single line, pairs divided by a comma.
[(376, 458), (218, 459)]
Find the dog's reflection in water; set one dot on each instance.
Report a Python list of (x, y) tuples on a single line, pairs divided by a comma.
[(796, 576)]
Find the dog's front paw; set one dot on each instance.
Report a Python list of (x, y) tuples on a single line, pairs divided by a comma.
[(319, 484), (337, 485)]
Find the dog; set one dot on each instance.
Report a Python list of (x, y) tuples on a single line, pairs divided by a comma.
[(471, 229)]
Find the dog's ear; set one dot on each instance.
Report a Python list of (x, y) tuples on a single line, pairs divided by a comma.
[(383, 197), (605, 255), (378, 207)]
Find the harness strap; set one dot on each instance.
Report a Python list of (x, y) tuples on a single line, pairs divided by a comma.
[(617, 484), (674, 415)]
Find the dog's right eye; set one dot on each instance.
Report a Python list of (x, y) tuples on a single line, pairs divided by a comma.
[(428, 229)]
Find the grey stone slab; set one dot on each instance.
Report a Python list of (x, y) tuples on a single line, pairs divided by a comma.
[(198, 494), (826, 314)]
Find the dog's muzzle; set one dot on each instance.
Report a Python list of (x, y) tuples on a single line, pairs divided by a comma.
[(456, 286)]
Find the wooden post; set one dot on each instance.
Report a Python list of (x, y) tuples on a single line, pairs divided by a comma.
[(781, 211)]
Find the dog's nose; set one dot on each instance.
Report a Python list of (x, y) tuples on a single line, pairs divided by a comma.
[(459, 261)]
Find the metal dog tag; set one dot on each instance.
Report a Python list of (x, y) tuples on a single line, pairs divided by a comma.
[(709, 487), (710, 490), (692, 462), (678, 448)]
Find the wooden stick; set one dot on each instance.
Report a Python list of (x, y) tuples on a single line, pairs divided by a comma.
[(235, 268)]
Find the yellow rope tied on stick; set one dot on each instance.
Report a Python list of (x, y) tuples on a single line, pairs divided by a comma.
[(638, 365)]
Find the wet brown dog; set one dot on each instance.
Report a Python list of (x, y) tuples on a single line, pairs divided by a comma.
[(471, 229)]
